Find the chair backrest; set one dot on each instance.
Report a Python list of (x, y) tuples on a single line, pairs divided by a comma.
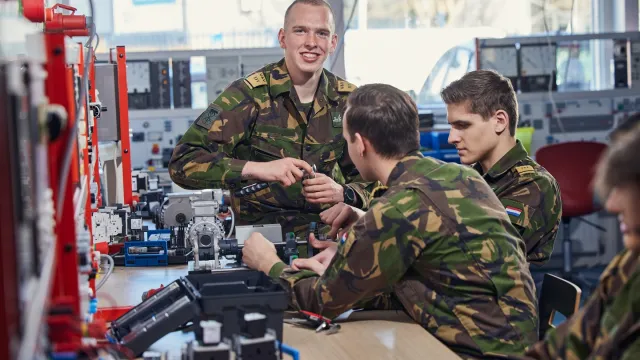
[(556, 295), (573, 166)]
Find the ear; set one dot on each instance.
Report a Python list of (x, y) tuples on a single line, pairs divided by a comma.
[(281, 39), (334, 43), (501, 121), (361, 144)]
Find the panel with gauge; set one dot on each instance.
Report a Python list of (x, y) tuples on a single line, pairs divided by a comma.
[(538, 67), (503, 59)]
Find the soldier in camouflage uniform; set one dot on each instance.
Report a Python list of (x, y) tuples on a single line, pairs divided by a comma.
[(438, 242), (608, 325), (483, 112), (271, 125)]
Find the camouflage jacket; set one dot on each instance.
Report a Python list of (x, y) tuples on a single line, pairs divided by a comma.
[(440, 242), (260, 118), (607, 326), (531, 197)]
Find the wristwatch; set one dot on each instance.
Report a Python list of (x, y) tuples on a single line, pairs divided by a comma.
[(350, 196)]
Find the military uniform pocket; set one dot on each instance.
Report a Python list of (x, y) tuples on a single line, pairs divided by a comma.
[(260, 154)]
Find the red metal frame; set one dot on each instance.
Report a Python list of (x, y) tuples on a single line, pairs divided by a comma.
[(64, 317), (8, 265), (123, 101)]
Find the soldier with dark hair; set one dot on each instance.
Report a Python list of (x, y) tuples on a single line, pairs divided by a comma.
[(272, 126), (438, 244), (608, 325), (482, 109)]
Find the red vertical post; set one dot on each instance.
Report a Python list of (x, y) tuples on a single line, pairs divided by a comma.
[(123, 101), (64, 310)]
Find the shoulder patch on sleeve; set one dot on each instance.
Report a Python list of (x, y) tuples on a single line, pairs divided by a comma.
[(519, 213), (206, 119), (256, 79), (525, 169), (345, 86)]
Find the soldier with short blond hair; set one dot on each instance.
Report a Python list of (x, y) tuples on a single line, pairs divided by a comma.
[(272, 126)]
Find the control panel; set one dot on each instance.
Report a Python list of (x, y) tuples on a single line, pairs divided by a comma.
[(588, 116), (154, 134)]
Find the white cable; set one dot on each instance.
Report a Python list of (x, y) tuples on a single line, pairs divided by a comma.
[(112, 265), (554, 107), (233, 222), (66, 162)]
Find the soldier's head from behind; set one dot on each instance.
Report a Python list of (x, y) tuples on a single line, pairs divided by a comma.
[(308, 36), (380, 123), (482, 109), (625, 127), (618, 181)]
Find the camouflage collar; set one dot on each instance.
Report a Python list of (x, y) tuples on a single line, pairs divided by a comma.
[(402, 167), (280, 83), (506, 163)]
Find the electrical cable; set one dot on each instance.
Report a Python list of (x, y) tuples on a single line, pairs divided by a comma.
[(554, 107), (82, 99), (233, 222), (340, 45), (112, 266)]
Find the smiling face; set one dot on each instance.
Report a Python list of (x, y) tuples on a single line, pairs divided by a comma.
[(625, 201), (308, 38)]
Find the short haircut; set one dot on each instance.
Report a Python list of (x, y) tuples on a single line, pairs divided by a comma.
[(625, 127), (619, 165), (484, 92), (386, 116), (314, 3)]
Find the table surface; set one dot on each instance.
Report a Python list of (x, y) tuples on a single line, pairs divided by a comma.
[(370, 334)]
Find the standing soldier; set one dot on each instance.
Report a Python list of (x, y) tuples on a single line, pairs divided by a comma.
[(273, 126), (483, 112)]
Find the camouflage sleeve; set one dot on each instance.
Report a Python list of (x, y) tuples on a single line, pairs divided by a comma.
[(203, 156), (577, 337), (369, 261), (537, 214)]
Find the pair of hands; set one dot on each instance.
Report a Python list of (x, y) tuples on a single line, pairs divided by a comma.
[(260, 254), (318, 190)]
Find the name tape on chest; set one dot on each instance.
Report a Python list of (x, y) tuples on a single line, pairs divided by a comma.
[(256, 79), (525, 169)]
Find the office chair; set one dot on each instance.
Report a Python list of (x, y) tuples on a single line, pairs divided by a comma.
[(573, 165), (556, 295)]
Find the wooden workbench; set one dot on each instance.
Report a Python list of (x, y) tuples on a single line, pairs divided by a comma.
[(364, 335)]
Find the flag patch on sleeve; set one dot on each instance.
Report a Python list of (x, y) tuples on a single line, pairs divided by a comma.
[(513, 211)]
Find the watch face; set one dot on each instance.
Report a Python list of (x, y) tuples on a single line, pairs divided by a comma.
[(349, 194)]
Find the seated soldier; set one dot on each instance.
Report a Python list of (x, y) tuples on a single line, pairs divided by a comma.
[(608, 325), (483, 112), (438, 241)]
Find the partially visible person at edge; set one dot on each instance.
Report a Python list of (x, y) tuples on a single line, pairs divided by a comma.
[(482, 109), (608, 325), (438, 244), (272, 126)]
